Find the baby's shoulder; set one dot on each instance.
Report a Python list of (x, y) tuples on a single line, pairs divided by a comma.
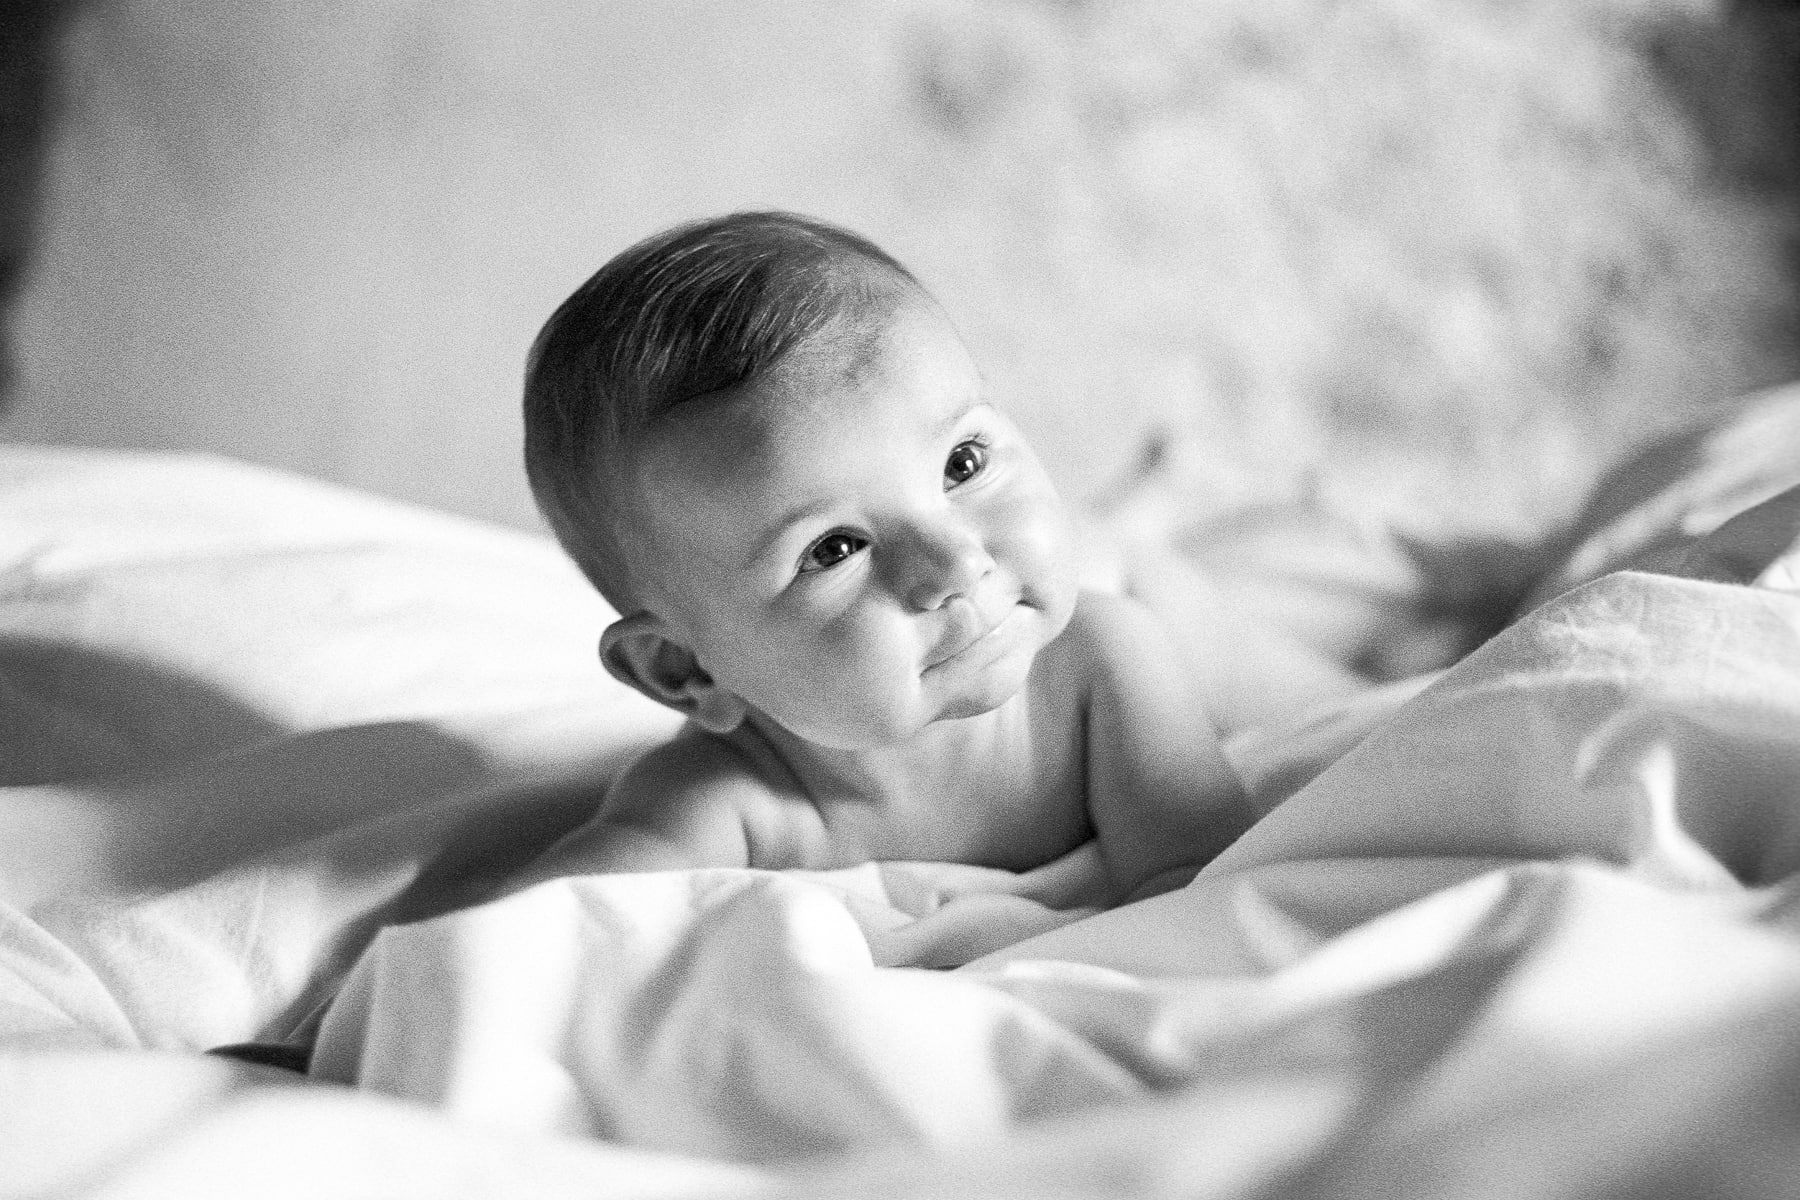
[(685, 777), (1107, 633), (702, 789)]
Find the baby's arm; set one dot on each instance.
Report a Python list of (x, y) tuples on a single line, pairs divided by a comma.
[(684, 804), (1162, 798)]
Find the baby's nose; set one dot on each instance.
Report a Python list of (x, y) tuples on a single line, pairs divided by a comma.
[(947, 563)]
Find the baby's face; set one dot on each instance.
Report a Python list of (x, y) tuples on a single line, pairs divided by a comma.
[(859, 545)]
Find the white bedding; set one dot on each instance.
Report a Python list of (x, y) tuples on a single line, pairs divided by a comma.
[(1573, 848), (1547, 902)]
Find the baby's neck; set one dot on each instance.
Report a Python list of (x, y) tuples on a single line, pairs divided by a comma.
[(1002, 789), (944, 760)]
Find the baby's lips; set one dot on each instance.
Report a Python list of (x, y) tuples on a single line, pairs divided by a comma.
[(967, 625)]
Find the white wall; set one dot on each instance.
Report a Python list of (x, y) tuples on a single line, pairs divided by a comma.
[(1454, 249), (322, 235)]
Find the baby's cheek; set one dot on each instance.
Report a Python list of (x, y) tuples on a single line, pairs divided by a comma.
[(1043, 544), (875, 645), (858, 656), (856, 686)]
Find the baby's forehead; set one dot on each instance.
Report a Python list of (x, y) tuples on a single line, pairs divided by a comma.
[(893, 381), (739, 426), (713, 460), (695, 495), (838, 360)]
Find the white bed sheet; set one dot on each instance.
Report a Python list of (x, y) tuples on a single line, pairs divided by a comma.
[(1548, 902), (1574, 851)]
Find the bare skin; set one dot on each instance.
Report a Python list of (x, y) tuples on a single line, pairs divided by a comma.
[(1086, 751), (857, 582)]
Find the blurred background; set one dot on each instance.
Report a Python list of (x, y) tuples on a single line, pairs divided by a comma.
[(1449, 255)]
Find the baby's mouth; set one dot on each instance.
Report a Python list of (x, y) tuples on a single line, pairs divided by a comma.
[(966, 634)]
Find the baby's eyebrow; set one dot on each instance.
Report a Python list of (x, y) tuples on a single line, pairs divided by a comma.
[(777, 529), (957, 415)]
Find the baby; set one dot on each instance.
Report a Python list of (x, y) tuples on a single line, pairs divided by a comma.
[(766, 445)]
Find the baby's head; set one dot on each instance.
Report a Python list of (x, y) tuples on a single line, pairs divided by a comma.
[(767, 447)]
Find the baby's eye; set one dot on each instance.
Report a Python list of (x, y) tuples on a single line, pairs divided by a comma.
[(831, 550), (965, 463)]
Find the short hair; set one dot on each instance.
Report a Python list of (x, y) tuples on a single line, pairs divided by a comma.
[(704, 307)]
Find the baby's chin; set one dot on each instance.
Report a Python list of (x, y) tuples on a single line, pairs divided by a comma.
[(877, 736), (971, 684), (989, 691), (971, 688), (896, 727)]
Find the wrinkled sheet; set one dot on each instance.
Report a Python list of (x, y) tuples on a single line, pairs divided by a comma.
[(1528, 928), (1548, 903)]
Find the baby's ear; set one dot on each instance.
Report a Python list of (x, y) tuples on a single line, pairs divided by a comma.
[(639, 651)]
